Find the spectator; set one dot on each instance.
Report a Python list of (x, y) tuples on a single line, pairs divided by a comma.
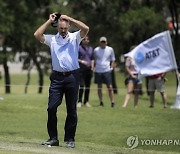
[(85, 61), (157, 82), (103, 56), (132, 82)]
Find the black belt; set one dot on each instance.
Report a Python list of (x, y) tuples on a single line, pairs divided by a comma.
[(66, 73)]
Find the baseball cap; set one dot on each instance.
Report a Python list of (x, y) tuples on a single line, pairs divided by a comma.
[(55, 22), (103, 39)]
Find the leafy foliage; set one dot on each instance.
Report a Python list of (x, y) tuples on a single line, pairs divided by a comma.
[(138, 25), (124, 22)]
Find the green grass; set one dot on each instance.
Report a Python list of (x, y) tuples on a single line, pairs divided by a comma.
[(100, 130)]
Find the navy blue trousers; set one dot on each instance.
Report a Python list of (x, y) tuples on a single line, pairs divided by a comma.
[(60, 85)]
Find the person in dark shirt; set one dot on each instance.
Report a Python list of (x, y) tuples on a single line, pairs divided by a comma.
[(85, 61)]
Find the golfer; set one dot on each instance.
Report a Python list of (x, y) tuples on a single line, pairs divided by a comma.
[(64, 48)]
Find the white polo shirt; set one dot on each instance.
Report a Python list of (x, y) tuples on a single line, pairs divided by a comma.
[(64, 52), (103, 57)]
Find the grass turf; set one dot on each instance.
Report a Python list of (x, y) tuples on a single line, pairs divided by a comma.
[(100, 130)]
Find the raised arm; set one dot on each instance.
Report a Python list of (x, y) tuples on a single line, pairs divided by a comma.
[(83, 27), (39, 32)]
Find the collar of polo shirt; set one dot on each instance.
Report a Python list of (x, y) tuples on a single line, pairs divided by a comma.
[(61, 40), (59, 36)]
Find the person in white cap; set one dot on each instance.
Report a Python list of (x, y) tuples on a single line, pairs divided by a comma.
[(104, 59)]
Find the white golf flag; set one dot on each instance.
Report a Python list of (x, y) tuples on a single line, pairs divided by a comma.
[(155, 55)]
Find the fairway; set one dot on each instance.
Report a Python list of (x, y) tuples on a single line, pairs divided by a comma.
[(100, 129)]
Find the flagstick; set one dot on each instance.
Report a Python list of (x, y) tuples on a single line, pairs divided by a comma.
[(172, 54), (176, 105)]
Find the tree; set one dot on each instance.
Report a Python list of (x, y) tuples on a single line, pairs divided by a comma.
[(24, 24), (6, 28), (124, 22), (173, 7), (138, 25)]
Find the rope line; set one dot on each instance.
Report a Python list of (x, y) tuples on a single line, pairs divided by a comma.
[(14, 85)]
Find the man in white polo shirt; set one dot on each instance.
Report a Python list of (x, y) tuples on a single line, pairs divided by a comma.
[(64, 48), (104, 61)]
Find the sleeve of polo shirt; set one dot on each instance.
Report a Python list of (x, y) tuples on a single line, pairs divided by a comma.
[(78, 37), (48, 39)]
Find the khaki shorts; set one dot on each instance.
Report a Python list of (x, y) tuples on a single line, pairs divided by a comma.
[(154, 84)]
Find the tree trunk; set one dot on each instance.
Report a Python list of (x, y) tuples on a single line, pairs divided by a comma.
[(40, 72), (114, 85), (6, 73), (174, 15), (28, 79), (41, 78)]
